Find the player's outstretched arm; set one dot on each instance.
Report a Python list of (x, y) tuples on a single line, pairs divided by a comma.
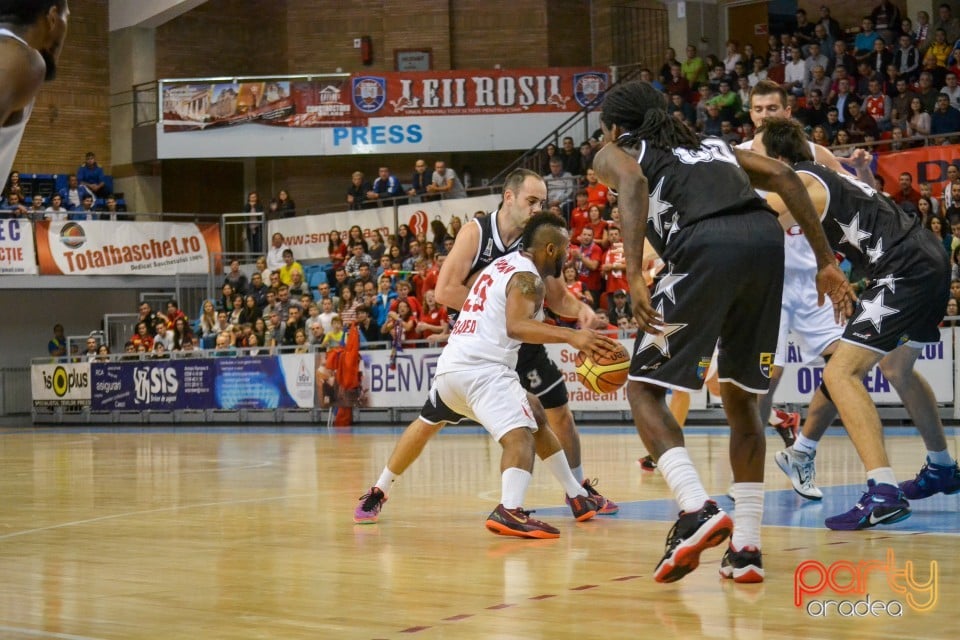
[(524, 297), (452, 289), (620, 171)]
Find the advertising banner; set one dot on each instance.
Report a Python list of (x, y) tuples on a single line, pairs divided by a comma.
[(307, 236), (935, 364), (126, 248), (17, 255), (218, 383), (926, 164), (321, 102), (60, 384), (407, 382)]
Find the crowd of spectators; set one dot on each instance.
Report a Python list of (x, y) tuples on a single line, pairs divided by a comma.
[(424, 185), (86, 196), (886, 80)]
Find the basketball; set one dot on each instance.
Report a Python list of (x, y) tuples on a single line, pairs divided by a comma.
[(605, 376)]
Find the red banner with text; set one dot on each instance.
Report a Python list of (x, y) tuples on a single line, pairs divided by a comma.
[(926, 164)]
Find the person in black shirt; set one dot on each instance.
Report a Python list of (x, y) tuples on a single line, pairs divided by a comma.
[(724, 253), (895, 317)]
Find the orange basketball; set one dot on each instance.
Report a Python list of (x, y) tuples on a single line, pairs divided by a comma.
[(605, 376)]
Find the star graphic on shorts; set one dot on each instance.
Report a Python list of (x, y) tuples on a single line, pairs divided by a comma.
[(852, 233), (876, 252), (874, 311), (666, 284), (658, 208), (660, 341), (889, 282)]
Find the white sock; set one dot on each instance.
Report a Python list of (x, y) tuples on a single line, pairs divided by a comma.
[(774, 420), (748, 513), (882, 475), (681, 476), (805, 445), (513, 487), (387, 478), (557, 464), (578, 473), (940, 458)]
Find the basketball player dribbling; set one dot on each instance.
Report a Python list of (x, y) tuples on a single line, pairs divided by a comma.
[(478, 244), (476, 373), (32, 33), (723, 248)]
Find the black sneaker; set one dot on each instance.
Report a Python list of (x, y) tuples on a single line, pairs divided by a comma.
[(742, 566), (692, 534)]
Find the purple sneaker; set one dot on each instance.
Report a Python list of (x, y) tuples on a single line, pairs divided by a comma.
[(368, 511), (881, 504), (931, 480)]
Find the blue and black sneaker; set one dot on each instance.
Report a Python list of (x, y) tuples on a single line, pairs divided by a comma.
[(931, 480)]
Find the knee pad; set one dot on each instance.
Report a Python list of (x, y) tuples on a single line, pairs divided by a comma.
[(823, 385)]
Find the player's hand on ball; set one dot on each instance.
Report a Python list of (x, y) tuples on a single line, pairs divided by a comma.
[(595, 345)]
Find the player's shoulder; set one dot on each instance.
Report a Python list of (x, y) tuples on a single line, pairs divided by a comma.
[(24, 61)]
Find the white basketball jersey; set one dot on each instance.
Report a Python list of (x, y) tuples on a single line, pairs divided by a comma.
[(10, 136), (479, 337), (798, 257)]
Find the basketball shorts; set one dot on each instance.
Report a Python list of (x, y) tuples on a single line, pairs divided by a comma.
[(722, 287), (491, 396), (809, 327), (906, 301), (540, 376)]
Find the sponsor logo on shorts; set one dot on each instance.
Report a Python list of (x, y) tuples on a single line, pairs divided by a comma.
[(702, 367), (904, 339), (766, 362), (862, 336)]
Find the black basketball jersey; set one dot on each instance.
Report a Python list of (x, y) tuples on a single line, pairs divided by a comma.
[(689, 185), (491, 246), (861, 224)]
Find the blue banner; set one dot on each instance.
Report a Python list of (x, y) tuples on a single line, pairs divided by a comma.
[(198, 384)]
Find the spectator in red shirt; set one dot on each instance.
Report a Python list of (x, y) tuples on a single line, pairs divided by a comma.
[(596, 191), (575, 287), (579, 216), (587, 258), (405, 292), (434, 324), (599, 226), (907, 193), (614, 266)]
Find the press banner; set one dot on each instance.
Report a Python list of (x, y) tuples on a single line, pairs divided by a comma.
[(60, 384), (232, 382), (322, 102), (935, 364), (17, 255), (126, 248), (926, 164), (307, 236)]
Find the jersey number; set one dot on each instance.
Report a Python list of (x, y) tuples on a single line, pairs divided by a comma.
[(478, 297)]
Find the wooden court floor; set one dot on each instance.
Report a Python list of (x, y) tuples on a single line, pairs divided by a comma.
[(248, 533)]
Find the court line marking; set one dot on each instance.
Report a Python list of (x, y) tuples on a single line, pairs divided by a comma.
[(47, 634), (127, 514)]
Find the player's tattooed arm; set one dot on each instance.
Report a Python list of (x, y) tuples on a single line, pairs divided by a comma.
[(530, 286)]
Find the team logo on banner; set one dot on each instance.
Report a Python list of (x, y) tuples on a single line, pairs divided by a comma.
[(766, 362), (72, 235), (418, 222), (369, 93), (587, 87)]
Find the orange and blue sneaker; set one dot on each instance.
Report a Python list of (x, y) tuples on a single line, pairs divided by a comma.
[(583, 507), (693, 533), (517, 522), (744, 566), (881, 504), (368, 511), (932, 479), (605, 506)]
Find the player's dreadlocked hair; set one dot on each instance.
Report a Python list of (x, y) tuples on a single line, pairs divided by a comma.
[(641, 111)]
